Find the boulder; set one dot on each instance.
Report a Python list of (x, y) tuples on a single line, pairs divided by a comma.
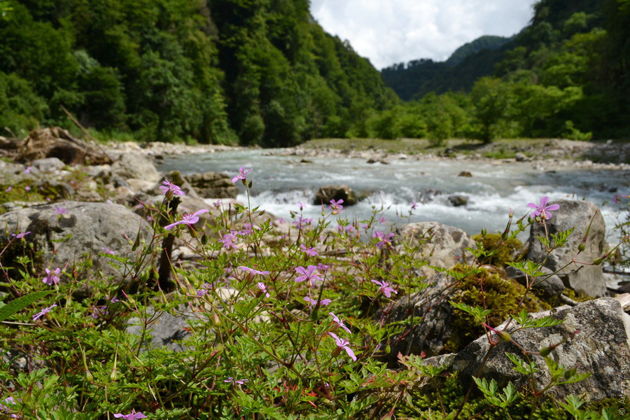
[(590, 227), (593, 338), (458, 200), (465, 174), (335, 192), (48, 164), (79, 229), (212, 185), (521, 157), (434, 326), (58, 143), (165, 329), (431, 332), (440, 245), (136, 166)]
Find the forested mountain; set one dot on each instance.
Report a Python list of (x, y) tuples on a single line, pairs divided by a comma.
[(467, 64), (566, 74), (485, 42), (255, 71), (480, 57)]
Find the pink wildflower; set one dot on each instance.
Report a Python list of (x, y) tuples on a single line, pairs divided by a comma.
[(311, 252), (131, 416), (385, 239), (339, 322), (336, 205), (542, 209), (414, 205), (20, 235), (313, 302), (28, 170), (231, 380), (385, 288), (168, 188), (52, 277), (43, 312), (343, 344), (323, 267), (252, 271), (27, 188), (60, 210), (310, 273), (302, 222), (242, 175), (228, 241), (263, 287), (187, 219), (205, 288), (247, 230)]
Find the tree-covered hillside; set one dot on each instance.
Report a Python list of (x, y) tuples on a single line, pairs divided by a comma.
[(566, 74), (257, 71)]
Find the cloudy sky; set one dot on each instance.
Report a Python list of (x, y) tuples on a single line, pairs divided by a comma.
[(394, 31)]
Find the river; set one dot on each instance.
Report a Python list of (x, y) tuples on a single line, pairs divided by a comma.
[(280, 182)]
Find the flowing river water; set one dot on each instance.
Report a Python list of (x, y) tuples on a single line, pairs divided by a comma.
[(280, 182)]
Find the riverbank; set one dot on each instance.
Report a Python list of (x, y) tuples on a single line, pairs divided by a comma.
[(546, 154)]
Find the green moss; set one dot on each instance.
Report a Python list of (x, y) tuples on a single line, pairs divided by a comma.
[(446, 395), (500, 251), (19, 191), (486, 289)]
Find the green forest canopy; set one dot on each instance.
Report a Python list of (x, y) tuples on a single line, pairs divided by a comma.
[(262, 71), (265, 72)]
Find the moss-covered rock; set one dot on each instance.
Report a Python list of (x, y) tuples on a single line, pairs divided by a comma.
[(433, 326), (499, 250), (484, 288)]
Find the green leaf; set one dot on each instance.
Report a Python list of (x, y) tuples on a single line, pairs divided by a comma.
[(572, 405), (476, 312), (525, 321), (510, 394), (528, 267), (20, 303), (521, 366), (561, 238)]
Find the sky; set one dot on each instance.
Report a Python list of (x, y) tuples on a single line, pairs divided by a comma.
[(395, 31)]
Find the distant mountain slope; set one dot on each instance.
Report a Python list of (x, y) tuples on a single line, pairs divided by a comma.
[(486, 42), (481, 57)]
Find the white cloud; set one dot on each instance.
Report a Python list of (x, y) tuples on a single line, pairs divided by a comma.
[(393, 31)]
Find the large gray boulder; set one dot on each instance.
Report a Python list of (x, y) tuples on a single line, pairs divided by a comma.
[(430, 330), (583, 278), (213, 185), (136, 166), (593, 338), (440, 245), (67, 231)]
